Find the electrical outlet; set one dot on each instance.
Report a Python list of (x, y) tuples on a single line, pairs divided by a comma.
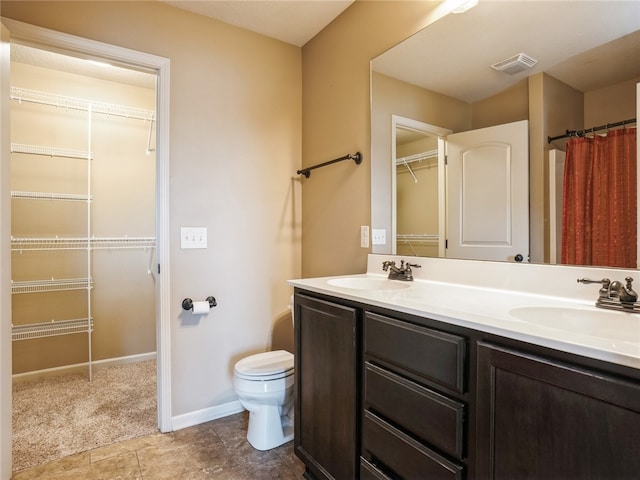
[(378, 236), (364, 236), (193, 237)]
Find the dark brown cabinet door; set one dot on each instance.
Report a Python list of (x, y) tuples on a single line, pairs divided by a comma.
[(543, 419), (326, 384)]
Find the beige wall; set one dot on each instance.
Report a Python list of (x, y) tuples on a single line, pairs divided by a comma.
[(511, 105), (417, 206), (235, 144), (610, 104), (123, 196), (336, 121)]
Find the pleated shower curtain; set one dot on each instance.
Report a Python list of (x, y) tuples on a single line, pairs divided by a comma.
[(599, 218)]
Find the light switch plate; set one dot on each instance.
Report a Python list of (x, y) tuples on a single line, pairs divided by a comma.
[(378, 236), (193, 237)]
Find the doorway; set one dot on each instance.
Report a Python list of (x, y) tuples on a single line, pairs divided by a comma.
[(83, 238), (417, 188), (87, 49)]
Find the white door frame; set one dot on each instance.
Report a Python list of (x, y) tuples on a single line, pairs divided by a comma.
[(428, 130), (5, 262), (83, 47)]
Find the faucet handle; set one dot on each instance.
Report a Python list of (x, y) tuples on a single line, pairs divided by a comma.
[(631, 295), (605, 282), (386, 264)]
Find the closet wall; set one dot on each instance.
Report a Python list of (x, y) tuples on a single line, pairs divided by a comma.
[(121, 179)]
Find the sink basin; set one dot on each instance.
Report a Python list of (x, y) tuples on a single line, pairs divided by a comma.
[(366, 283), (588, 321)]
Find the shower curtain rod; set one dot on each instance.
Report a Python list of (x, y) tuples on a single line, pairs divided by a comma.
[(581, 133)]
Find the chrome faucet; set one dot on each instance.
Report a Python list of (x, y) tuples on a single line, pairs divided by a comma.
[(403, 272), (615, 295), (625, 293)]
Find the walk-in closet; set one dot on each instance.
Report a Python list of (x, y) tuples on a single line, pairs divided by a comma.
[(83, 235), (417, 193)]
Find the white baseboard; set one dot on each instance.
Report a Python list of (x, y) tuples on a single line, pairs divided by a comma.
[(82, 367), (205, 415)]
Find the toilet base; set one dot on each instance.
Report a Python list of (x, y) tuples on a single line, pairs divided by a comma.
[(268, 429)]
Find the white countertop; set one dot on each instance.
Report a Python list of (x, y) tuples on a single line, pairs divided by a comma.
[(566, 324)]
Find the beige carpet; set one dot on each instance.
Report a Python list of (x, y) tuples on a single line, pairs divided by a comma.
[(58, 416)]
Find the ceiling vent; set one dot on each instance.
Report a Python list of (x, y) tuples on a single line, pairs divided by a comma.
[(516, 64)]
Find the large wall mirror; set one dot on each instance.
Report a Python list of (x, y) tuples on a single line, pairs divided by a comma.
[(567, 66)]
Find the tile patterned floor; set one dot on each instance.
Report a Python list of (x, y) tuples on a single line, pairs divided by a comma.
[(215, 450)]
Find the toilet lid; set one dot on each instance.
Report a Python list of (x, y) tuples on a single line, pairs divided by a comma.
[(268, 363)]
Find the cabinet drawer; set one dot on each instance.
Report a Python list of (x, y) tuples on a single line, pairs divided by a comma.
[(402, 454), (434, 355), (370, 472), (428, 415)]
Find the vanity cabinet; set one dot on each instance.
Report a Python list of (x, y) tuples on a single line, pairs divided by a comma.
[(544, 418), (388, 395), (413, 425), (327, 379)]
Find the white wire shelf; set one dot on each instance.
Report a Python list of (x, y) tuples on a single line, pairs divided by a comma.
[(50, 196), (50, 151), (417, 157), (53, 285), (417, 238), (71, 103), (98, 243), (51, 329), (81, 243)]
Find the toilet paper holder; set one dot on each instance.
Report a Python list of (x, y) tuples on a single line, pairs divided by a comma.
[(187, 303)]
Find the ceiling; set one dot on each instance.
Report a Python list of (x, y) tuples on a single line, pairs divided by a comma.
[(585, 44), (292, 21), (66, 63)]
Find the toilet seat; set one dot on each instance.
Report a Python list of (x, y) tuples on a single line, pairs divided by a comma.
[(265, 366)]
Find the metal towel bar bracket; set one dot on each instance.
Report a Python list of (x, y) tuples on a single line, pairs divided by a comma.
[(356, 157)]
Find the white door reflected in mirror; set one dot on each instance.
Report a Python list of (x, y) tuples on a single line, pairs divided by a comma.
[(475, 208), (488, 193)]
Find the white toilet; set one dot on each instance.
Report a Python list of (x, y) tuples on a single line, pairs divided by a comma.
[(264, 384)]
